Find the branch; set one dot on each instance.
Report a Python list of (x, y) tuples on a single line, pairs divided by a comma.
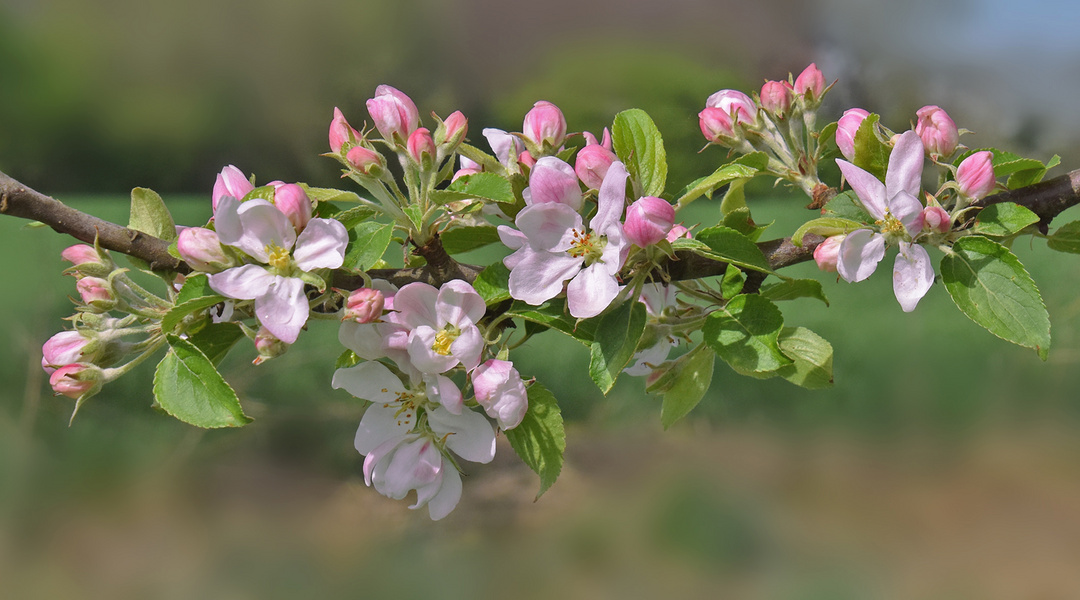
[(1046, 199)]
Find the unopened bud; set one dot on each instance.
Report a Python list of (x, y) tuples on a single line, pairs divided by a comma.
[(716, 125), (87, 261), (678, 231), (451, 132), (937, 130), (936, 220), (394, 113), (592, 161), (975, 175), (545, 126), (96, 292), (776, 97), (341, 132), (810, 84), (80, 254), (735, 104), (76, 380), (827, 254), (202, 250), (648, 220), (499, 389), (291, 199), (421, 146), (231, 182), (364, 305), (366, 161), (268, 346), (62, 349), (846, 128)]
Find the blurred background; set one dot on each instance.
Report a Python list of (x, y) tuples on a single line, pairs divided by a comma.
[(944, 463)]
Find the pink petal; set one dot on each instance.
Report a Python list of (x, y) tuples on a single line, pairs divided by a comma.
[(415, 303), (283, 309), (443, 390), (553, 181), (264, 225), (458, 301), (611, 199), (449, 492), (908, 210), (539, 276), (549, 226), (869, 189), (905, 165), (246, 282), (912, 275), (860, 253), (321, 245), (468, 346)]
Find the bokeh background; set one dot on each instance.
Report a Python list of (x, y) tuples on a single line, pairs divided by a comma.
[(944, 463)]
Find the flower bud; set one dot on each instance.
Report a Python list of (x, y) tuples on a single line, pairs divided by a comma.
[(846, 128), (648, 220), (291, 199), (366, 161), (716, 125), (231, 182), (936, 220), (96, 292), (364, 305), (545, 125), (592, 161), (938, 132), (499, 389), (77, 380), (827, 254), (394, 113), (678, 231), (202, 250), (87, 261), (451, 132), (810, 83), (341, 132), (776, 97), (80, 254), (527, 159), (976, 175), (735, 104), (421, 146), (268, 346), (62, 349)]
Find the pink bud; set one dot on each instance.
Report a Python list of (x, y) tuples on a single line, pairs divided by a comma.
[(341, 132), (452, 130), (394, 113), (268, 346), (592, 161), (499, 389), (776, 97), (291, 199), (421, 145), (61, 349), (80, 254), (716, 125), (231, 182), (810, 83), (648, 220), (735, 104), (678, 231), (846, 128), (976, 175), (76, 380), (545, 125), (96, 292), (828, 253), (937, 130), (526, 159), (367, 162), (364, 305), (936, 220), (201, 249)]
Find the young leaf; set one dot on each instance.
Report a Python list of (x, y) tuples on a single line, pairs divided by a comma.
[(319, 195), (464, 239), (693, 375), (792, 289), (216, 339), (745, 334), (729, 245), (1004, 219), (812, 356), (188, 387), (493, 283), (743, 167), (553, 314), (638, 145), (484, 186), (196, 295), (615, 341), (991, 287), (847, 206), (871, 154), (354, 216), (825, 226), (1066, 238), (732, 283), (150, 215), (540, 439), (367, 243)]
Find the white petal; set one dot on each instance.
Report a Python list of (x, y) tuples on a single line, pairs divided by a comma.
[(458, 301), (468, 346), (283, 309), (415, 303), (423, 357), (907, 209), (540, 276), (504, 145), (264, 225), (591, 291), (246, 282), (549, 226), (410, 466), (449, 492), (321, 245), (611, 199), (379, 424), (227, 222), (363, 339), (369, 380), (869, 189), (860, 253), (443, 390), (912, 275), (905, 165), (471, 435)]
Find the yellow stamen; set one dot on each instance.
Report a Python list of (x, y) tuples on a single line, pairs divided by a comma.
[(277, 257)]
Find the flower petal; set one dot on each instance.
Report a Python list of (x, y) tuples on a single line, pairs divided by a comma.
[(449, 492), (591, 291), (471, 435), (380, 424), (415, 303), (264, 225), (913, 274), (458, 301), (908, 210), (468, 346), (905, 165), (423, 356), (611, 199), (860, 253), (321, 245), (283, 309), (443, 390), (869, 189), (369, 380), (552, 180), (539, 276), (549, 226), (363, 339), (246, 282)]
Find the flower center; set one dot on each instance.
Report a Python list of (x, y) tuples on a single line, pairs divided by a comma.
[(444, 339), (406, 412), (278, 258), (587, 245), (893, 230)]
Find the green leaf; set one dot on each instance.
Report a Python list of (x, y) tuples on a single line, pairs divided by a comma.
[(354, 216), (743, 167), (1004, 219), (847, 206), (367, 244), (489, 187), (540, 439), (871, 154), (195, 286), (615, 341), (1020, 171), (791, 289), (729, 245), (188, 387), (732, 283), (216, 339), (195, 296), (319, 195), (693, 374), (493, 283), (745, 334), (150, 215), (991, 287), (825, 226), (265, 192), (415, 215), (812, 356), (638, 144), (740, 220), (1066, 238), (464, 239), (553, 314)]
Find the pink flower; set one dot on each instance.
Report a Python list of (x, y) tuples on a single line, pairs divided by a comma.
[(506, 147), (442, 325), (96, 292), (230, 182), (976, 175), (716, 125), (545, 125), (846, 128), (810, 83), (367, 162), (451, 132), (294, 203), (648, 220), (896, 207), (341, 132), (81, 254), (678, 230), (936, 220), (421, 145), (937, 130), (268, 346), (776, 97), (394, 113), (593, 161), (499, 389), (552, 246)]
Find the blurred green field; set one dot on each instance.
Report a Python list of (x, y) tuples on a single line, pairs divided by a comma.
[(945, 463)]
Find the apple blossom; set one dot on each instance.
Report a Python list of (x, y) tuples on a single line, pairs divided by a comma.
[(201, 249), (81, 254), (421, 146), (552, 180), (545, 125), (62, 349), (230, 182), (499, 389), (592, 162), (648, 220), (394, 113), (846, 128), (827, 253), (810, 83), (441, 324), (975, 175), (735, 104), (364, 305), (76, 380), (776, 97), (937, 130), (365, 161), (341, 132), (293, 201)]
